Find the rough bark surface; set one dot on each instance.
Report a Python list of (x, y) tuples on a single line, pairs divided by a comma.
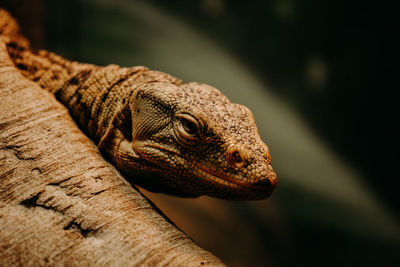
[(61, 203)]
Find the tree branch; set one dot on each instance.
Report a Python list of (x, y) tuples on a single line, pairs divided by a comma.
[(61, 203)]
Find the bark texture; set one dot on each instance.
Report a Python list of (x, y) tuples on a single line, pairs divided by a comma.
[(61, 203)]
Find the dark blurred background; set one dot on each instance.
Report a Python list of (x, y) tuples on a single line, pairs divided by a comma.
[(319, 77)]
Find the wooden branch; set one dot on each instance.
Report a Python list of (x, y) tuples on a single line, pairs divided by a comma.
[(61, 203)]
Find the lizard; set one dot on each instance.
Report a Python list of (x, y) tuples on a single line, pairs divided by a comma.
[(165, 135)]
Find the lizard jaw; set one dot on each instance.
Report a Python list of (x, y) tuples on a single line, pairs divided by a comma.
[(247, 190), (216, 183), (254, 184)]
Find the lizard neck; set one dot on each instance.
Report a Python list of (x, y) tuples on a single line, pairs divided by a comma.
[(91, 93)]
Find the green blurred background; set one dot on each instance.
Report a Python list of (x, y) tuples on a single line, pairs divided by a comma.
[(318, 76)]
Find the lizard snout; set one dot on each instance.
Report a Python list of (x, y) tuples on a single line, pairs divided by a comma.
[(264, 183), (267, 179)]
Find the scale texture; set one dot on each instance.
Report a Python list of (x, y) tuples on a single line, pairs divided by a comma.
[(185, 139)]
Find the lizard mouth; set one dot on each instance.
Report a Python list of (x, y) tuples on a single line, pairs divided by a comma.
[(238, 183), (215, 181)]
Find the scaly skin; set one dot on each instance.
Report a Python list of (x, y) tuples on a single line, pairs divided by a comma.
[(165, 135)]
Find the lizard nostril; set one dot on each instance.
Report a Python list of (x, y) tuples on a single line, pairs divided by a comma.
[(235, 158)]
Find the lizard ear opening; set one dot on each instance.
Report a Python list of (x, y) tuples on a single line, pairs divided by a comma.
[(121, 124), (152, 113), (123, 121)]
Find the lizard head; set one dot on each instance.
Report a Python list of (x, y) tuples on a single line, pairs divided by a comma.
[(191, 140)]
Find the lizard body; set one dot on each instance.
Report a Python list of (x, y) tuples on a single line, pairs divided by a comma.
[(165, 135)]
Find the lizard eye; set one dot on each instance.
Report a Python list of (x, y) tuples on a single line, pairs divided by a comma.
[(187, 128)]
